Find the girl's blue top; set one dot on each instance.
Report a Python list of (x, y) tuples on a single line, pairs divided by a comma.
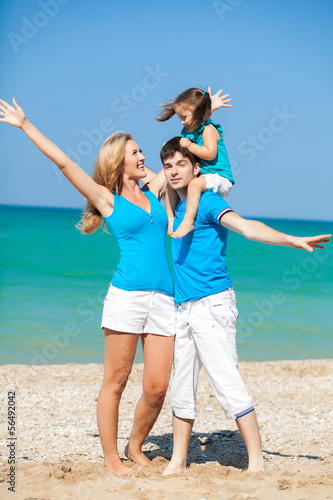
[(220, 165), (141, 238)]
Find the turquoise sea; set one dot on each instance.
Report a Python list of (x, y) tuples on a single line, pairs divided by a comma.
[(53, 282)]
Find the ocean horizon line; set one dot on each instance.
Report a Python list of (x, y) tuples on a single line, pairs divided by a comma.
[(75, 209)]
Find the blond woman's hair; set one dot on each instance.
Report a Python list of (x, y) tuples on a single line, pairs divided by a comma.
[(108, 172)]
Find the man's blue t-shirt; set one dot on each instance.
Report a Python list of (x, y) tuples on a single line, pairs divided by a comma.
[(199, 259)]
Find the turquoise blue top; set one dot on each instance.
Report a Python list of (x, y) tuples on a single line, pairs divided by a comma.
[(141, 238), (220, 165), (199, 259)]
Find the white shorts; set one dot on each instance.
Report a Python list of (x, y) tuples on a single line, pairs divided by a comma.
[(218, 184), (206, 336), (139, 312)]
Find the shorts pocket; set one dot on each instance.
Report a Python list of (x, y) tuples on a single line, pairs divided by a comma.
[(226, 315), (220, 313)]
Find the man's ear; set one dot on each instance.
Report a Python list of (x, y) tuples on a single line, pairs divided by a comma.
[(196, 169)]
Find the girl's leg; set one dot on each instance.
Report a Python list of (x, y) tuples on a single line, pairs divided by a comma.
[(171, 201), (158, 354), (194, 190), (118, 360)]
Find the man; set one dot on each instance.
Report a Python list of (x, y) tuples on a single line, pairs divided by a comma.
[(206, 312)]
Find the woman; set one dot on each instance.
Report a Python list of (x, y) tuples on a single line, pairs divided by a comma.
[(140, 299)]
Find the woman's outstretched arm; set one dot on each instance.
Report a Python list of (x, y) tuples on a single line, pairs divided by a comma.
[(98, 195)]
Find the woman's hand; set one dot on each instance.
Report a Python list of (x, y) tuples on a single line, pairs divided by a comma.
[(219, 101), (98, 195), (13, 115)]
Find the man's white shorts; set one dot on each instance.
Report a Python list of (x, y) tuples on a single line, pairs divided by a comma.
[(218, 184), (206, 336), (139, 312)]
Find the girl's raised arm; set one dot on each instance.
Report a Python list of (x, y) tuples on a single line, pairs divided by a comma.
[(100, 197)]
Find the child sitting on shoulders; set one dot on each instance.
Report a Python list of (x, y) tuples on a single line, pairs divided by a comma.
[(204, 138)]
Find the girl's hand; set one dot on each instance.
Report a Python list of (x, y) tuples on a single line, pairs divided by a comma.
[(13, 115), (185, 142), (219, 101)]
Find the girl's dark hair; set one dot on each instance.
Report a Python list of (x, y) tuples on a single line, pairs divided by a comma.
[(196, 100)]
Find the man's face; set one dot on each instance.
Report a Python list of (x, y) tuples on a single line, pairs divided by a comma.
[(179, 171)]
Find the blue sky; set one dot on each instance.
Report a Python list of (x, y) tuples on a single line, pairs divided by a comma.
[(81, 69)]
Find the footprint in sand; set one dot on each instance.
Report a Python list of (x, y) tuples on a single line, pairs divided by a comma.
[(284, 484)]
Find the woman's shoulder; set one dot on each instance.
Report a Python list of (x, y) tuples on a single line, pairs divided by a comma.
[(149, 192)]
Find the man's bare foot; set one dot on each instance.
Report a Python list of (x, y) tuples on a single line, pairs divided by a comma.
[(256, 466), (184, 228), (137, 456), (174, 468), (118, 468)]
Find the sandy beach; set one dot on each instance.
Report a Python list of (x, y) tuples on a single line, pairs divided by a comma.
[(58, 453)]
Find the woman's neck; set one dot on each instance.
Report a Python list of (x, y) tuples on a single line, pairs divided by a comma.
[(131, 187)]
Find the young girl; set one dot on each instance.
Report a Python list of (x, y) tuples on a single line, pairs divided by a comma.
[(204, 138)]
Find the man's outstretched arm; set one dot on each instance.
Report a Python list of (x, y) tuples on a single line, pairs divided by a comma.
[(257, 231)]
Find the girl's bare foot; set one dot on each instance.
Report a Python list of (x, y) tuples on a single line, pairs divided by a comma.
[(137, 456), (170, 228), (184, 228)]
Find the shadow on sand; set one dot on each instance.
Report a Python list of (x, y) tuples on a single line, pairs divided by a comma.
[(225, 447)]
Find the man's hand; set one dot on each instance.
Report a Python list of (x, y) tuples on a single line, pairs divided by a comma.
[(13, 115), (219, 101), (310, 242)]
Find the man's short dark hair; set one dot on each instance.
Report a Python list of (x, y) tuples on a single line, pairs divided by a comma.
[(172, 147)]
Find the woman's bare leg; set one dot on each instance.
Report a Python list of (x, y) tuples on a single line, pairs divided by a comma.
[(158, 354), (118, 360)]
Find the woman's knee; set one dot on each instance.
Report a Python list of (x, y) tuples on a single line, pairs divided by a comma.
[(155, 391), (115, 384)]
